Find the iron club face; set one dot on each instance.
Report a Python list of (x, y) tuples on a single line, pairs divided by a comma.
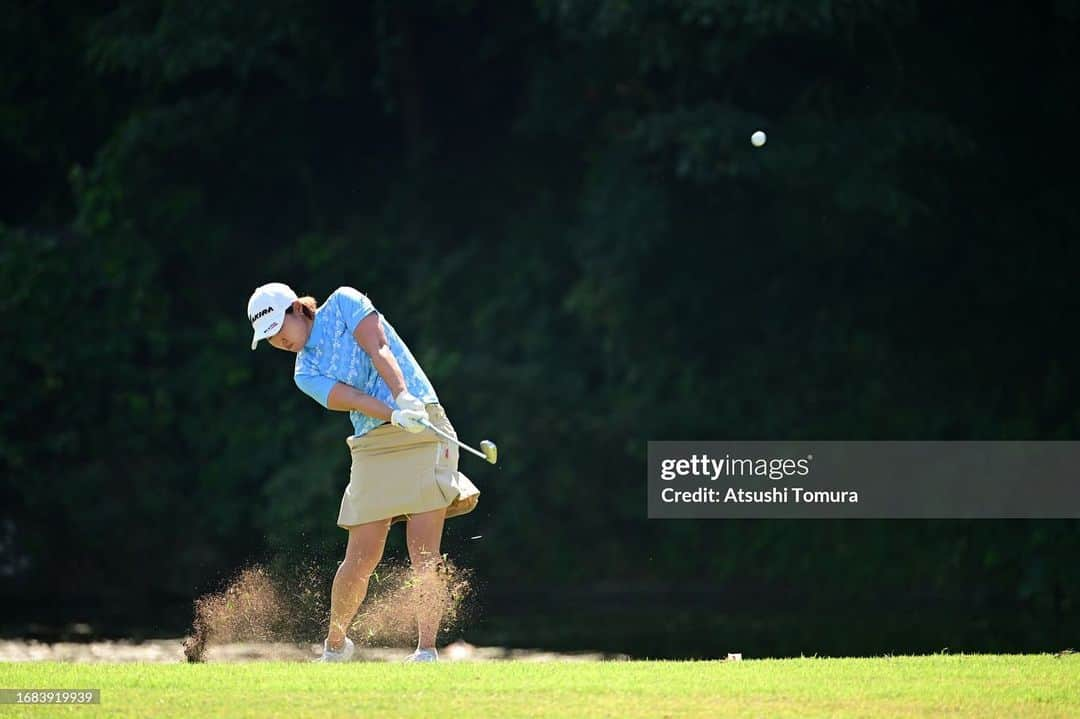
[(491, 452)]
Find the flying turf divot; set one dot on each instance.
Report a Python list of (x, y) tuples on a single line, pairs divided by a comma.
[(255, 608)]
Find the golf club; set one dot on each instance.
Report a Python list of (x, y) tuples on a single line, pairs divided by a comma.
[(490, 451)]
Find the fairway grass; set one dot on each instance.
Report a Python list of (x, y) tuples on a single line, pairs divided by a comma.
[(939, 685)]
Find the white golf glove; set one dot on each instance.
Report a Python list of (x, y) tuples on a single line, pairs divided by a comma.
[(409, 420), (405, 400)]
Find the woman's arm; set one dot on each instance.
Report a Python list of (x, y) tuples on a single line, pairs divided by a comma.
[(370, 336), (345, 398)]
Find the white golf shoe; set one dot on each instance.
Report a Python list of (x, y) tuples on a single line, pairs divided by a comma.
[(342, 655), (423, 655)]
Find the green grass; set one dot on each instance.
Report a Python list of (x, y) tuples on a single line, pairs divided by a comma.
[(941, 685)]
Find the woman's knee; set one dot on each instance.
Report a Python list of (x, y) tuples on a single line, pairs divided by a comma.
[(359, 564), (424, 561), (365, 554)]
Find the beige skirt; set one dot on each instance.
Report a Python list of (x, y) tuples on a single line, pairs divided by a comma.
[(396, 474)]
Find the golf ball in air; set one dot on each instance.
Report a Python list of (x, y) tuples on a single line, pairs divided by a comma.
[(758, 138)]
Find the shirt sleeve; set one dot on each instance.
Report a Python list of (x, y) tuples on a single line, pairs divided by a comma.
[(316, 386), (353, 306)]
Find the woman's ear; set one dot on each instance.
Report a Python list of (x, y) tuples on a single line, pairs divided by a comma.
[(300, 309)]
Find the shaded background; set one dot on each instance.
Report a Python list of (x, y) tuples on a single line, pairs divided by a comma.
[(557, 205)]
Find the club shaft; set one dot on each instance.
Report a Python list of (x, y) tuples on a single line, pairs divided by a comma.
[(453, 439)]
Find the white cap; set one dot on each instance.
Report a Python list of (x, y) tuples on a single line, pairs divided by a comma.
[(266, 309)]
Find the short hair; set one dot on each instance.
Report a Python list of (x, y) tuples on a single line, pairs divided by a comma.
[(307, 306)]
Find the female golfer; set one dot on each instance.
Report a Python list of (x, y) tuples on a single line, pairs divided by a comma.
[(350, 359)]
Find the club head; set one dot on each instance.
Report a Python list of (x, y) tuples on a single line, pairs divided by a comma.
[(491, 452)]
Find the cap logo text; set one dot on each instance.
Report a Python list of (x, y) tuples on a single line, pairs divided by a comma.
[(260, 313)]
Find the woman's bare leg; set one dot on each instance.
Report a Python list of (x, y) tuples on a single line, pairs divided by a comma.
[(365, 549), (424, 535)]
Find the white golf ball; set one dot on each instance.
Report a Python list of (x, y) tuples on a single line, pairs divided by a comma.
[(757, 139)]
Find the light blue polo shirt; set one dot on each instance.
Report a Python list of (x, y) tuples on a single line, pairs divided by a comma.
[(333, 355)]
